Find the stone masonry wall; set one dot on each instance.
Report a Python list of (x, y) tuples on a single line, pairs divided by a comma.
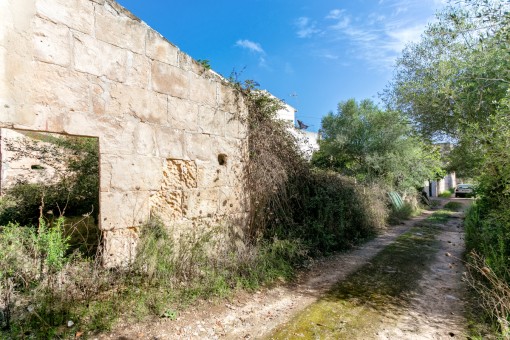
[(169, 141)]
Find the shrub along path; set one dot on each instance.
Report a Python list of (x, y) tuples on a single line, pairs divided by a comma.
[(404, 284)]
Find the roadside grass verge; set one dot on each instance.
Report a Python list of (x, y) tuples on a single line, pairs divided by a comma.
[(487, 227), (357, 306)]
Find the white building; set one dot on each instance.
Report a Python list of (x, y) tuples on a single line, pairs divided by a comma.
[(308, 141)]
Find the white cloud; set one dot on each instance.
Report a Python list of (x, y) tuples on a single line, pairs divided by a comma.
[(401, 37), (250, 45), (330, 56), (306, 28), (335, 14), (342, 23)]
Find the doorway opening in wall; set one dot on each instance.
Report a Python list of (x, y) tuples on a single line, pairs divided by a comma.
[(49, 179)]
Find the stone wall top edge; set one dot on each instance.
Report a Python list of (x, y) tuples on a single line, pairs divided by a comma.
[(123, 11)]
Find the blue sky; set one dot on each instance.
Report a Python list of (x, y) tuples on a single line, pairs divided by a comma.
[(312, 54)]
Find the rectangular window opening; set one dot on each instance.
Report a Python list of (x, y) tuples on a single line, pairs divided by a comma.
[(48, 175)]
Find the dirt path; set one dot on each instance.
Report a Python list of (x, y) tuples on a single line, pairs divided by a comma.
[(438, 311), (435, 314)]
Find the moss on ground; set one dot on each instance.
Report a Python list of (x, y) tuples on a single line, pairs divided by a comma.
[(358, 306)]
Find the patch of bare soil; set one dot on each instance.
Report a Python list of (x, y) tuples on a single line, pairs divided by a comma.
[(435, 314)]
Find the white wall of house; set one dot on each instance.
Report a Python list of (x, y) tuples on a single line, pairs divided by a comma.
[(308, 141)]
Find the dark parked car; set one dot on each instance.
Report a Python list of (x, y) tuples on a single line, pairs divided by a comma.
[(465, 190)]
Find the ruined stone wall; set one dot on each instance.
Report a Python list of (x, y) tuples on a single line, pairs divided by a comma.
[(169, 141)]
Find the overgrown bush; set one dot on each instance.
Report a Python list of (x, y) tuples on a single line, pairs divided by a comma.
[(291, 201)]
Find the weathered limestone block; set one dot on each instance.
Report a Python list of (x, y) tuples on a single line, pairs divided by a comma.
[(203, 90), (52, 42), (202, 147), (167, 202), (135, 173), (167, 205), (76, 14), (184, 61), (59, 88), (121, 210), (148, 106), (117, 135), (145, 140), (42, 117), (200, 203), (182, 114), (105, 174), (211, 175), (120, 246), (232, 200), (137, 70), (100, 95), (237, 172), (179, 174), (170, 80), (233, 148), (169, 142), (211, 120), (120, 30), (160, 49), (234, 128), (99, 58), (230, 100)]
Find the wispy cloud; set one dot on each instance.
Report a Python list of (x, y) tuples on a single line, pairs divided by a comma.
[(376, 37), (306, 28), (335, 13), (250, 45)]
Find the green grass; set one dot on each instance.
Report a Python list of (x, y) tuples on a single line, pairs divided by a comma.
[(453, 206)]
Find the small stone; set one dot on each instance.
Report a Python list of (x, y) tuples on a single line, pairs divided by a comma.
[(70, 323)]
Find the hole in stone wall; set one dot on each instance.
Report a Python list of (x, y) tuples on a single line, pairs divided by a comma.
[(58, 172), (222, 159)]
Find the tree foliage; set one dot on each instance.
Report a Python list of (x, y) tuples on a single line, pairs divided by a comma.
[(371, 144), (456, 83), (456, 75)]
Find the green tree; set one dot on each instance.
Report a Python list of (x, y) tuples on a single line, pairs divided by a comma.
[(456, 83), (371, 144)]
